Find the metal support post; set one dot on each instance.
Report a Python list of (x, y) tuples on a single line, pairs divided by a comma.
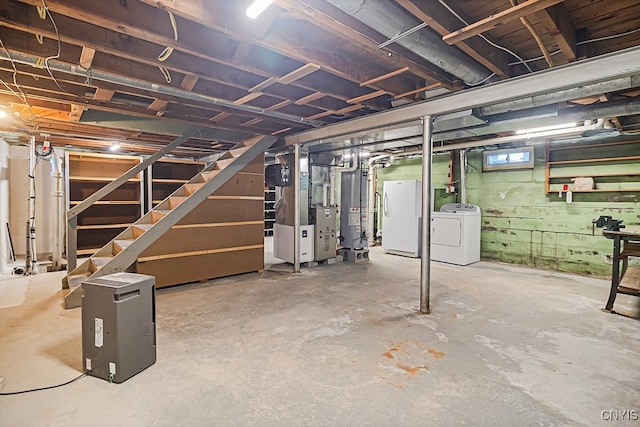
[(425, 234), (296, 210), (463, 176)]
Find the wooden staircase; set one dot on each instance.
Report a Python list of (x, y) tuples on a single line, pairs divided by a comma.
[(122, 252)]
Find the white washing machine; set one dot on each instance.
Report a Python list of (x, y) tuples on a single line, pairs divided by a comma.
[(455, 234)]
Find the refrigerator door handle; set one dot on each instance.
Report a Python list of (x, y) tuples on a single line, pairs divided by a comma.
[(384, 204)]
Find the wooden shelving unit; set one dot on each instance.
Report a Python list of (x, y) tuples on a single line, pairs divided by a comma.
[(594, 160), (86, 173), (221, 236), (167, 175), (269, 210)]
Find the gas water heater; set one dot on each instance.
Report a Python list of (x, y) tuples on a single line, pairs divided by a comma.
[(353, 210)]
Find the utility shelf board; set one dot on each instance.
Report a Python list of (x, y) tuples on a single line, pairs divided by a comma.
[(98, 179), (601, 175), (89, 251), (102, 226), (110, 202), (169, 181)]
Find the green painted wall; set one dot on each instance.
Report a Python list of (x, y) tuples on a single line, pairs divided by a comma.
[(522, 224)]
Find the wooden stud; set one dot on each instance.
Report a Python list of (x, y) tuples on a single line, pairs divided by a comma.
[(310, 98), (103, 94), (513, 13), (413, 92), (384, 76), (86, 57), (319, 115), (349, 109), (280, 131), (365, 97), (279, 105), (76, 112), (305, 70), (268, 82), (247, 98)]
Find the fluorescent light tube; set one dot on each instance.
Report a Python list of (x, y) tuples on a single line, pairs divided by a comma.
[(257, 7), (546, 128)]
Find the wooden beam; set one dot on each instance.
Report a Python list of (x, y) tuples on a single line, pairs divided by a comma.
[(299, 73), (188, 82), (263, 85), (220, 116), (443, 22), (349, 109), (247, 98), (279, 105), (413, 92), (384, 76), (103, 94), (280, 131), (86, 57), (320, 115), (310, 98), (76, 112), (365, 97), (560, 26), (251, 122), (501, 18), (209, 61), (241, 52), (535, 35)]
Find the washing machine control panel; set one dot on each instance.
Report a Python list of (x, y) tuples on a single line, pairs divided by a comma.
[(459, 207)]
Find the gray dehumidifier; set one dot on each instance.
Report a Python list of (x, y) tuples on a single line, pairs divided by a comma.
[(118, 325)]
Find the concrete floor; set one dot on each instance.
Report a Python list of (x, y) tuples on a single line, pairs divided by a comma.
[(339, 345)]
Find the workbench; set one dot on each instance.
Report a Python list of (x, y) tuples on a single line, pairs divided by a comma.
[(625, 244)]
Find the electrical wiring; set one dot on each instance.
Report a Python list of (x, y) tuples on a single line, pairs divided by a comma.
[(555, 52), (497, 46), (57, 55), (12, 393), (166, 53)]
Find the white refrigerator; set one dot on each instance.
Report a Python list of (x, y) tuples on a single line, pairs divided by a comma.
[(401, 214)]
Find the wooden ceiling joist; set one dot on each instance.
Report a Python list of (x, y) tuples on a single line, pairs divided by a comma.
[(86, 57), (560, 26), (365, 97), (384, 76), (301, 72), (321, 115), (247, 98), (413, 92), (501, 18), (310, 98), (76, 112), (104, 95), (220, 116)]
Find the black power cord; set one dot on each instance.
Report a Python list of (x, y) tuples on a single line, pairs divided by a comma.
[(43, 388)]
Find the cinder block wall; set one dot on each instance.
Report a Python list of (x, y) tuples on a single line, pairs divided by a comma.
[(521, 224)]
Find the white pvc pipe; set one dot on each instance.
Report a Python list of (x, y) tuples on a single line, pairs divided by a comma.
[(57, 226)]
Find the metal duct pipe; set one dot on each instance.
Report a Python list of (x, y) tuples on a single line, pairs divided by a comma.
[(22, 58), (391, 21), (562, 95)]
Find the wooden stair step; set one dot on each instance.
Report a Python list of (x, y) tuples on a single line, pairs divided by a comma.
[(221, 164), (101, 261)]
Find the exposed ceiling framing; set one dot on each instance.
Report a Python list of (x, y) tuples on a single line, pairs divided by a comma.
[(301, 65)]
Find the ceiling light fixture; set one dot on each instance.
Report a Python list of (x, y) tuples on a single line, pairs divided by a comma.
[(563, 126), (115, 147), (2, 114), (257, 7)]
